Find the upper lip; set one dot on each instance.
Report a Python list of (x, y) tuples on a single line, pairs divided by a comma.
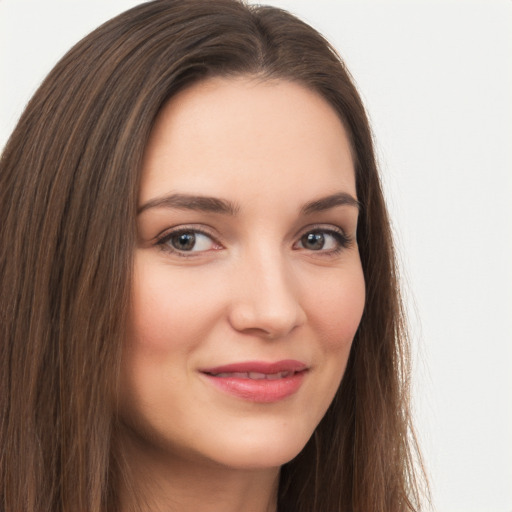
[(286, 365)]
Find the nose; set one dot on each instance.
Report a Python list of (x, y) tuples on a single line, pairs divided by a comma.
[(265, 299)]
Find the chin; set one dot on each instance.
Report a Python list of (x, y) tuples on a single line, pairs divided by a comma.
[(259, 451)]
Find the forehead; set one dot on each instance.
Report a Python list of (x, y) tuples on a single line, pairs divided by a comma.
[(247, 136)]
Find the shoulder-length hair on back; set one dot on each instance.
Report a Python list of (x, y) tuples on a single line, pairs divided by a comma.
[(68, 199)]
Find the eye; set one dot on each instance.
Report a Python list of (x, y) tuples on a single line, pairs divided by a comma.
[(325, 240), (187, 241)]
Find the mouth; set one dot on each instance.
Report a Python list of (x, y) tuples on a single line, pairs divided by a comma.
[(252, 375), (258, 381)]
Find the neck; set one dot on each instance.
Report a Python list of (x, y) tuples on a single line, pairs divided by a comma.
[(157, 481)]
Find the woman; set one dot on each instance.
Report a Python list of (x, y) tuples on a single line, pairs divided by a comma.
[(199, 302)]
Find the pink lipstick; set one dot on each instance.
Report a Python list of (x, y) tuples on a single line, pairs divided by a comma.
[(258, 381)]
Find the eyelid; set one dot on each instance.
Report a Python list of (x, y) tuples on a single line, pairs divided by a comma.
[(162, 238), (344, 240)]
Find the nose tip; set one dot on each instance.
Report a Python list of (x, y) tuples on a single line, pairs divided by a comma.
[(268, 325), (266, 306)]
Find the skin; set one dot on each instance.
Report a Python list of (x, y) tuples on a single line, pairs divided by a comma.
[(253, 288)]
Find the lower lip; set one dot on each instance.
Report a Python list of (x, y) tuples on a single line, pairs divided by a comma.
[(259, 390)]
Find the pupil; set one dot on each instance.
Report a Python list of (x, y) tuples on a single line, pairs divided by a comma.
[(184, 242), (313, 241)]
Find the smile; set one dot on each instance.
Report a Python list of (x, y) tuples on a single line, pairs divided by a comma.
[(258, 381)]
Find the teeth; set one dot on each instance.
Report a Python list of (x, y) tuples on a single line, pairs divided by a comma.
[(255, 375)]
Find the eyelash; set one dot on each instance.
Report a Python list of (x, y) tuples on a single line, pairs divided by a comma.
[(343, 241), (163, 240)]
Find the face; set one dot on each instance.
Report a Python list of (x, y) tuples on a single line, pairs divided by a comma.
[(248, 286)]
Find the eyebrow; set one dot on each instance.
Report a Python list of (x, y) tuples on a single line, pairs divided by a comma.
[(190, 202), (223, 206), (328, 202)]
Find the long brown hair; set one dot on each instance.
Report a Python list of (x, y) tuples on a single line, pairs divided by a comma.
[(68, 189)]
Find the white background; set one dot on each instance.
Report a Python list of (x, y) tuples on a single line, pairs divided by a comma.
[(436, 77)]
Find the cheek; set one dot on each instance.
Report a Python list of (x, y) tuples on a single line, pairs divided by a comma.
[(165, 310), (337, 308), (165, 327), (335, 311)]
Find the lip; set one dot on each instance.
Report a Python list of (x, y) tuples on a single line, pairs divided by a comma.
[(269, 382)]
